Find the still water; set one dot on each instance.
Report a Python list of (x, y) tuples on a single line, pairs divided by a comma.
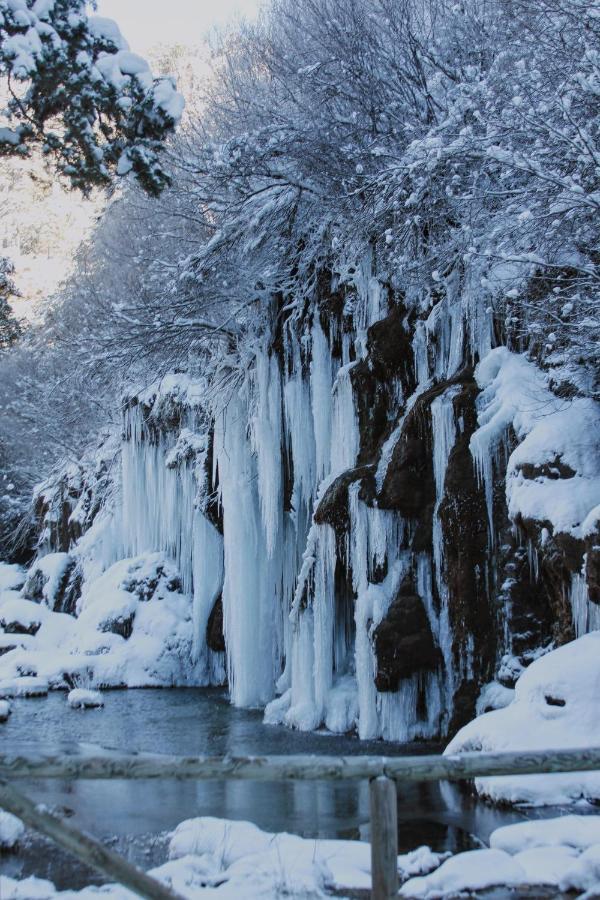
[(136, 816)]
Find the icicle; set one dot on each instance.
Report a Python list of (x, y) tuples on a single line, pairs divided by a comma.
[(345, 434), (208, 585), (321, 381), (586, 613), (267, 443), (443, 429), (251, 605)]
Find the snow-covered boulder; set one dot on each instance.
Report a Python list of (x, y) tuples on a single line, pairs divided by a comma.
[(135, 629), (556, 706), (20, 616), (11, 831), (48, 578), (79, 698), (10, 642), (474, 870), (4, 710)]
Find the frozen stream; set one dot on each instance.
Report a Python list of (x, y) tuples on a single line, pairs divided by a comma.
[(134, 816)]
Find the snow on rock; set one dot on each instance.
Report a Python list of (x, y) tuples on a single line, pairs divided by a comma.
[(245, 859), (11, 831), (26, 686), (12, 577), (20, 616), (556, 705), (471, 871), (46, 578), (494, 696), (553, 475), (79, 698), (4, 710), (135, 628), (228, 859), (576, 832), (37, 889)]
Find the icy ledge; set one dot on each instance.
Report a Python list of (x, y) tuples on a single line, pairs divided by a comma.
[(229, 860), (556, 705)]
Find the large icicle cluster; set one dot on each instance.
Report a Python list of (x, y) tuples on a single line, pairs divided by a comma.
[(338, 520)]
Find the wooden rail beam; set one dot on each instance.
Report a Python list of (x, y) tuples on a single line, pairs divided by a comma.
[(114, 764), (86, 848)]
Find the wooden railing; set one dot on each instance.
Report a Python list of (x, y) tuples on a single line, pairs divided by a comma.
[(382, 772)]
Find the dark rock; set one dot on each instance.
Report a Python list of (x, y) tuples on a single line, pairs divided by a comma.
[(122, 625), (554, 470), (592, 568), (409, 485), (465, 699), (215, 637), (374, 379), (333, 508), (463, 516), (403, 640), (389, 347), (16, 627)]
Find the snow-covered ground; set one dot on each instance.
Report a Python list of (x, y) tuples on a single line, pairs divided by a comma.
[(229, 860), (556, 705), (133, 628)]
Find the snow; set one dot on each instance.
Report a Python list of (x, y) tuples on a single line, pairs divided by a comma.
[(4, 710), (12, 577), (79, 698), (11, 831), (556, 705), (52, 568), (575, 832), (135, 629), (210, 857), (107, 30), (25, 686), (20, 615), (551, 430), (471, 871)]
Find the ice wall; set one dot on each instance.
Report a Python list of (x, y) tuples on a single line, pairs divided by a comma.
[(342, 505)]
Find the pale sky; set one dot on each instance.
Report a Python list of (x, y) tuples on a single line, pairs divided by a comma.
[(145, 23)]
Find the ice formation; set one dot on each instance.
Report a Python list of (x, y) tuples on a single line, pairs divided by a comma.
[(330, 527)]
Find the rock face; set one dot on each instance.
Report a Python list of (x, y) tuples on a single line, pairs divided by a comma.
[(403, 640), (350, 508), (214, 628)]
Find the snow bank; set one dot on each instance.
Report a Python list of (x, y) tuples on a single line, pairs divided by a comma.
[(46, 578), (553, 476), (12, 577), (556, 705), (563, 853), (135, 629), (211, 857), (11, 831), (25, 686), (471, 871)]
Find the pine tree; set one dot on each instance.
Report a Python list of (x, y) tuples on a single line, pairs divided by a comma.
[(9, 326), (76, 91)]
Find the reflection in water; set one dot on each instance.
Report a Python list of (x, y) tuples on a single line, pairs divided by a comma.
[(136, 814)]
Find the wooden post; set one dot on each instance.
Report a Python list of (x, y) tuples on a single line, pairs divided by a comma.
[(83, 846), (384, 839)]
